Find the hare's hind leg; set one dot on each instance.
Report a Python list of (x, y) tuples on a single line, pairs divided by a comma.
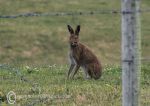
[(96, 71), (92, 71), (86, 73)]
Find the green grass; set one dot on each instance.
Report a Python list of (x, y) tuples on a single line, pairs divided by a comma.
[(44, 40), (52, 81)]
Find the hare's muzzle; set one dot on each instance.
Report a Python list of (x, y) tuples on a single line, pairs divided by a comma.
[(74, 44)]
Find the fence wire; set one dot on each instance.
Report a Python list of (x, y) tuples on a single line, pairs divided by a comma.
[(38, 14), (34, 85), (17, 72)]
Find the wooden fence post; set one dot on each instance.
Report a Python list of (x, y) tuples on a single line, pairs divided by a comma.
[(131, 48)]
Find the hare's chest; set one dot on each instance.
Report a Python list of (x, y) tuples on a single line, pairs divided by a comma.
[(74, 57)]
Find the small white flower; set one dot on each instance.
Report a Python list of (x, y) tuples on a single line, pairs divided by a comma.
[(27, 67), (50, 66), (54, 65)]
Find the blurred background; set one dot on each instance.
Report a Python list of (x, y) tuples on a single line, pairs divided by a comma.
[(44, 39)]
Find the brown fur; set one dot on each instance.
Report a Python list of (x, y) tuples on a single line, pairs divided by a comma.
[(81, 55)]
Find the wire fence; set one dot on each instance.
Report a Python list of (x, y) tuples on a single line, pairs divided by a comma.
[(38, 14), (36, 97), (30, 99), (18, 74), (80, 13), (15, 71)]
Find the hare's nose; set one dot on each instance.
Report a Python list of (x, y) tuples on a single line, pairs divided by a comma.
[(74, 43)]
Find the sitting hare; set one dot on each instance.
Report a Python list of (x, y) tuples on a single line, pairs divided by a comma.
[(81, 55)]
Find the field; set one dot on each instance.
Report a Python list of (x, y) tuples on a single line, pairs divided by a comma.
[(44, 40), (51, 80), (36, 49)]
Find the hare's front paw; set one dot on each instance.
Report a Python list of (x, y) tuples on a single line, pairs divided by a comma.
[(87, 77)]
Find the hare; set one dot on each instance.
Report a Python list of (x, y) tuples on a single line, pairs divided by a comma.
[(81, 56)]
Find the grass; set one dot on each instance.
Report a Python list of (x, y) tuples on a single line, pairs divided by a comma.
[(44, 40), (52, 81)]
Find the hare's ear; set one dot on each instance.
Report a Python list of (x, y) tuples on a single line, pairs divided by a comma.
[(77, 30), (70, 29)]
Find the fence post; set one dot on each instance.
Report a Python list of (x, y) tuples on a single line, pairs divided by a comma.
[(130, 52)]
